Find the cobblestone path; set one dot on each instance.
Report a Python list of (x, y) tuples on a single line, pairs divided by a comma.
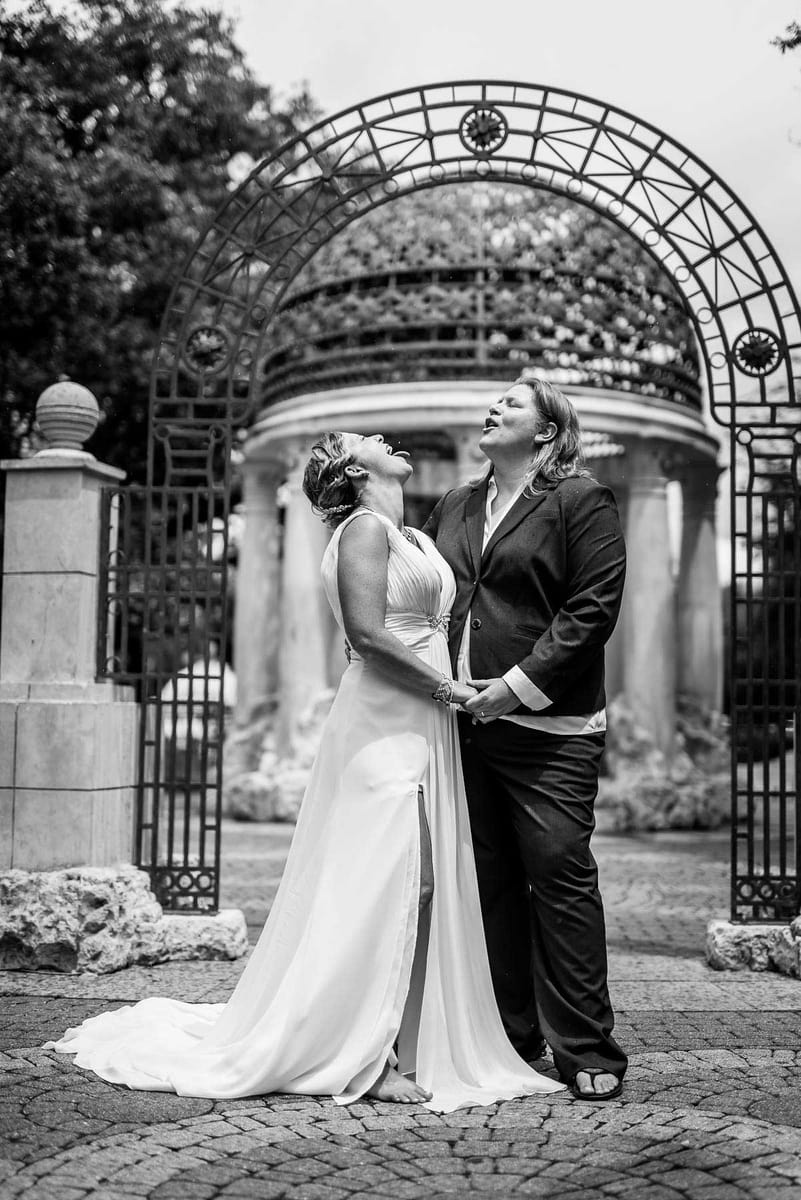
[(711, 1108)]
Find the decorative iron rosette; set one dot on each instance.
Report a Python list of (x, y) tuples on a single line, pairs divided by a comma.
[(207, 349), (757, 352), (483, 130)]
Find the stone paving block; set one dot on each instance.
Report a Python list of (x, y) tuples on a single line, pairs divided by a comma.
[(320, 1191), (335, 1128), (177, 1138), (772, 1192), (784, 1164), (390, 1122), (176, 1189), (492, 1185), (252, 1189), (351, 1156), (446, 1183), (717, 1191), (412, 1189), (237, 1143), (47, 1191), (514, 1164), (539, 1186)]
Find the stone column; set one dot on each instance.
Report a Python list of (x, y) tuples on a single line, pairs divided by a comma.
[(67, 743), (305, 658), (616, 646), (257, 617), (69, 897), (649, 603), (700, 618), (470, 462)]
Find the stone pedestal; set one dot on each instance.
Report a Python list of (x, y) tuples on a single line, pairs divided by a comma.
[(700, 618), (649, 614), (67, 743), (69, 898)]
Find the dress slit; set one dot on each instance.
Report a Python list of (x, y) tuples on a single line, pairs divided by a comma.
[(413, 1006)]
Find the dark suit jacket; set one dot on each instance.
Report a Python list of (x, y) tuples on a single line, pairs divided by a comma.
[(546, 592)]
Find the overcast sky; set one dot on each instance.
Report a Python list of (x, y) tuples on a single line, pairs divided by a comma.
[(702, 70)]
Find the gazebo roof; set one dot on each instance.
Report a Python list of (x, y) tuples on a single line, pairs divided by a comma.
[(483, 281)]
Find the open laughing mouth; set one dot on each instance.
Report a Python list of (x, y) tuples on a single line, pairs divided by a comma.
[(489, 424)]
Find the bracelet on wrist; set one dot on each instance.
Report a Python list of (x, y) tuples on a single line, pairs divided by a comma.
[(444, 691)]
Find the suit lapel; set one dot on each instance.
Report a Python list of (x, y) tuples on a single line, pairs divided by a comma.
[(522, 507), (474, 514)]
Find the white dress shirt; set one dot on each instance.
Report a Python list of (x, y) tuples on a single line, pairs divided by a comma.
[(527, 692)]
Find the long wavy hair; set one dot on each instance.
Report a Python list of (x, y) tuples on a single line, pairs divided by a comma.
[(331, 492), (563, 456)]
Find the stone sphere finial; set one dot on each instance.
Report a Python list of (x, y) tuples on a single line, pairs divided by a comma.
[(67, 414)]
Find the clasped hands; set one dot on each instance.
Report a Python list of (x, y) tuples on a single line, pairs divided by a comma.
[(486, 699)]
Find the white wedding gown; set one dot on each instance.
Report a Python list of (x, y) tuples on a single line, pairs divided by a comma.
[(320, 1003)]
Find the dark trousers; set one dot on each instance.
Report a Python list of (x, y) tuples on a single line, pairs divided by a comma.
[(531, 798)]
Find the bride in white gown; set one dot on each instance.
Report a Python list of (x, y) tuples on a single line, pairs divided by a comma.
[(375, 940)]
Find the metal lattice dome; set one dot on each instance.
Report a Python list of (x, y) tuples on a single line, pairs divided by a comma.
[(483, 281)]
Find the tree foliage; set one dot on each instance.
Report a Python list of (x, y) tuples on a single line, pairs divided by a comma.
[(790, 39), (124, 124)]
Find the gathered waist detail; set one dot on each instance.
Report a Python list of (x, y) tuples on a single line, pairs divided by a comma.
[(415, 630)]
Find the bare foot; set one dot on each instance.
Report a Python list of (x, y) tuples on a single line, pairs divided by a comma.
[(397, 1088), (595, 1083)]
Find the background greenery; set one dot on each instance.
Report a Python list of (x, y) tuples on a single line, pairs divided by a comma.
[(122, 122)]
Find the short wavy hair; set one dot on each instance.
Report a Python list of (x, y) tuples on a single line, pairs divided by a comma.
[(563, 456), (331, 492)]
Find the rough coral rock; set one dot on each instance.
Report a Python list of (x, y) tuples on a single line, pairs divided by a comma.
[(249, 797), (223, 936), (786, 952), (731, 947), (274, 789), (101, 919), (641, 789)]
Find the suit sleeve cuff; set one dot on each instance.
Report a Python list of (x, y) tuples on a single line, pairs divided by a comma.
[(527, 692)]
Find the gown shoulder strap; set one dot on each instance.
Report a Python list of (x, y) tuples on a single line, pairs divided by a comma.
[(361, 512)]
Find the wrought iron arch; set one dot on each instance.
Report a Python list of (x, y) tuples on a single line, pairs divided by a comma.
[(740, 300)]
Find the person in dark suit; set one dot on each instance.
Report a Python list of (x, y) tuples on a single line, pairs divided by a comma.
[(539, 559)]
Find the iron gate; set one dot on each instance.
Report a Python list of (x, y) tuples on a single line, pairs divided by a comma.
[(163, 628), (205, 383)]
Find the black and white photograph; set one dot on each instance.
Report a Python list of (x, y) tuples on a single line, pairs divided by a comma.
[(400, 606)]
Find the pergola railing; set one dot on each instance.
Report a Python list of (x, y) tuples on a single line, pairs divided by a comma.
[(482, 321)]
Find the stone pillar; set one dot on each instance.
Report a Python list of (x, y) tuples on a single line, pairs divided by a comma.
[(649, 603), (304, 660), (69, 897), (257, 617), (67, 742), (470, 462), (616, 646), (700, 618)]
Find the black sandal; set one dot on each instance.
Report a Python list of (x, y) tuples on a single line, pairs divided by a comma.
[(594, 1096)]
